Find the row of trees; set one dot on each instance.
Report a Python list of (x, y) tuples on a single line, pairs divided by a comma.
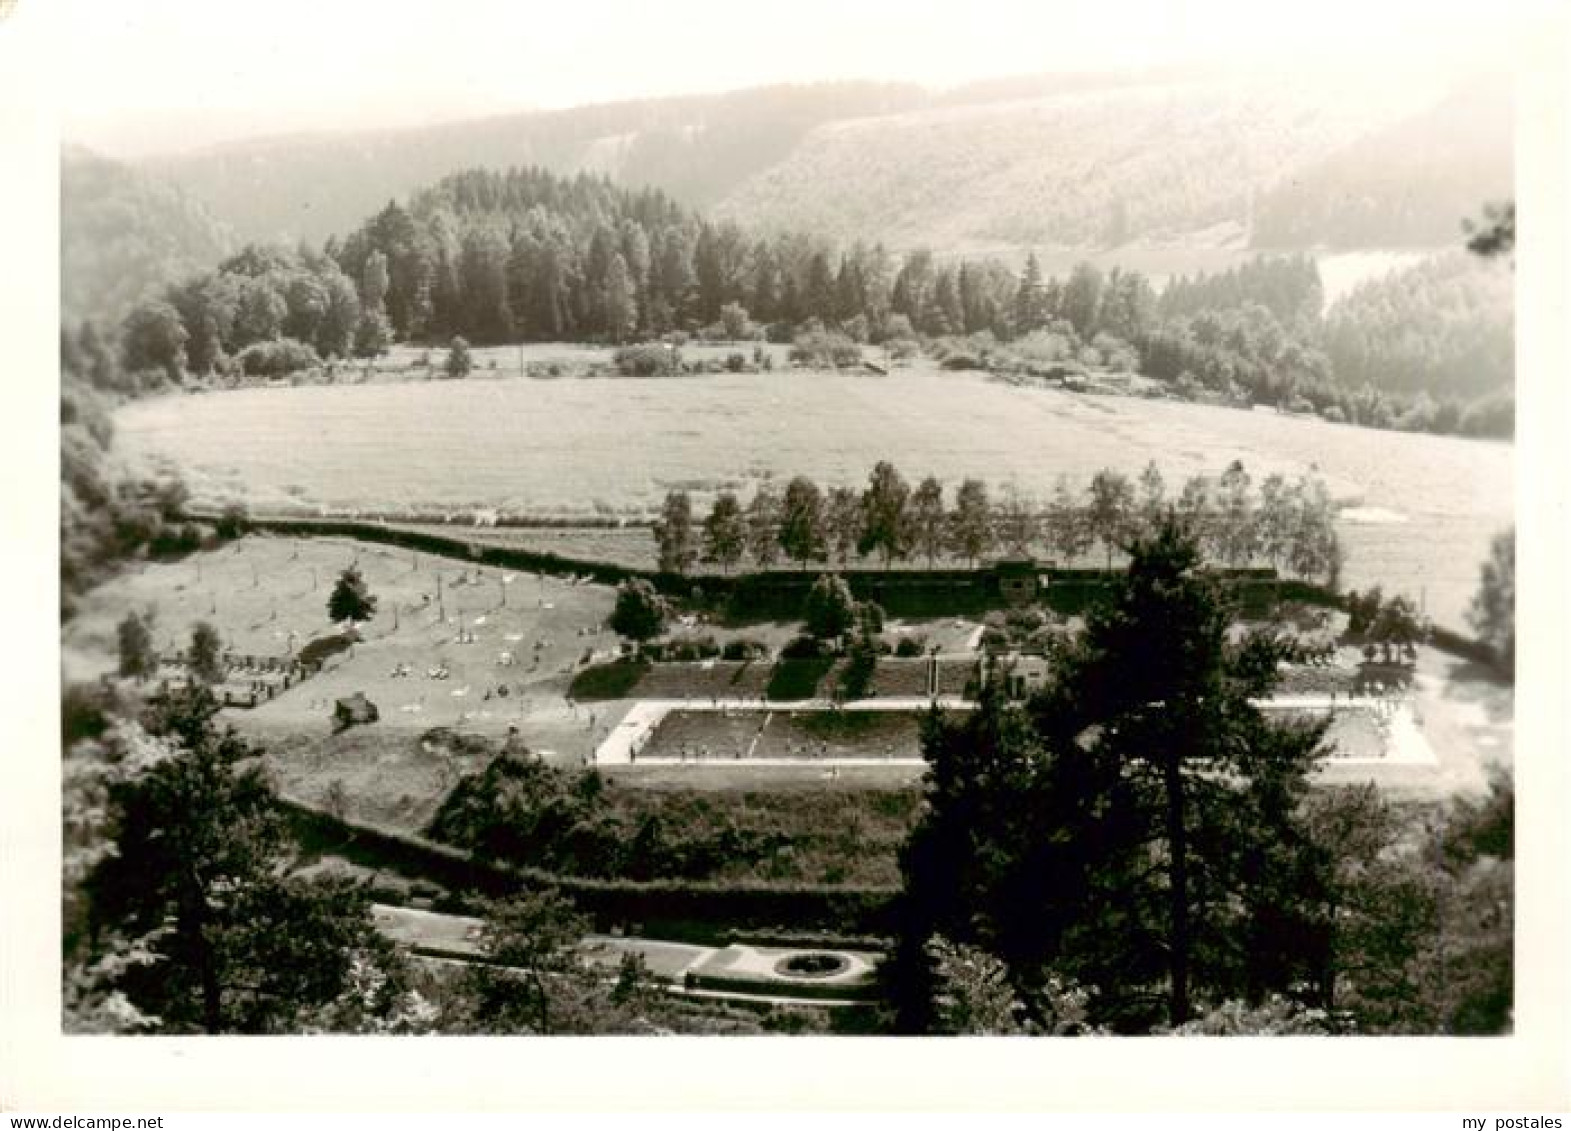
[(1289, 525)]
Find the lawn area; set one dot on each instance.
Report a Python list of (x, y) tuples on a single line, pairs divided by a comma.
[(268, 597), (1422, 509)]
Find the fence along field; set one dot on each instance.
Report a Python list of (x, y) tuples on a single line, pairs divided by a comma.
[(1422, 508)]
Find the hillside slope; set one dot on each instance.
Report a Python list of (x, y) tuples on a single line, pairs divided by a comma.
[(1159, 162), (123, 234), (696, 148), (1088, 161), (1404, 186)]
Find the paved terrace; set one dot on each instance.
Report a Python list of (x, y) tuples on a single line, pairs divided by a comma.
[(738, 972)]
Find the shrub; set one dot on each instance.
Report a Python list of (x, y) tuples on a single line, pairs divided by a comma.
[(233, 523), (911, 646), (175, 541), (830, 609), (640, 612), (648, 360), (1026, 620), (317, 651), (744, 648), (736, 362), (686, 649), (820, 347), (277, 358), (734, 321)]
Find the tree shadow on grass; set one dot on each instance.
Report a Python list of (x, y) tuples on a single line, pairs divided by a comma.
[(615, 680), (798, 679)]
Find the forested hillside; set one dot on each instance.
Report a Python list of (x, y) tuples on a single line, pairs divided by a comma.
[(124, 234), (1445, 327), (1080, 161), (698, 148), (1403, 186), (1094, 168)]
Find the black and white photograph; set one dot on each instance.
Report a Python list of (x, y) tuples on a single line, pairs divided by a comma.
[(813, 521)]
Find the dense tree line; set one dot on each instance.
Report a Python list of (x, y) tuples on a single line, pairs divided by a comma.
[(1288, 525), (1442, 329), (522, 255)]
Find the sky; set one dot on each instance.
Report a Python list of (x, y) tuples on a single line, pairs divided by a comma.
[(169, 74)]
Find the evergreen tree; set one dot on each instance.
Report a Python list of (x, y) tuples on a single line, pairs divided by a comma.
[(1028, 312), (351, 599), (197, 886), (621, 305), (1137, 830)]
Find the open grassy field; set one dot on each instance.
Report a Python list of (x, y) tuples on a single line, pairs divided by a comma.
[(1424, 507), (268, 597)]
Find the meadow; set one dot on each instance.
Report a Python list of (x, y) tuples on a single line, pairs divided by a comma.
[(1419, 509)]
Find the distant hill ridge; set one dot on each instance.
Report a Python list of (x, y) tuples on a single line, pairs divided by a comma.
[(1087, 161)]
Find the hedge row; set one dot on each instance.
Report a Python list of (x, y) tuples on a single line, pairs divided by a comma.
[(901, 592), (668, 908)]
